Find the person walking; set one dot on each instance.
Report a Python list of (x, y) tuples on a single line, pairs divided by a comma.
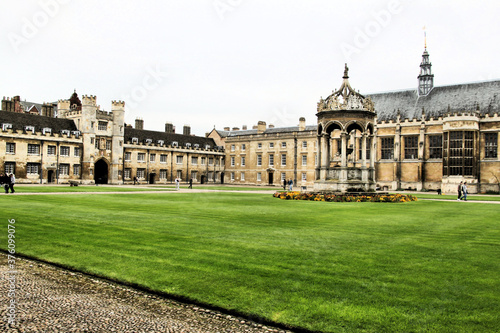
[(190, 182), (5, 181), (290, 184), (459, 189), (12, 182), (464, 191), (177, 183), (135, 180), (284, 184)]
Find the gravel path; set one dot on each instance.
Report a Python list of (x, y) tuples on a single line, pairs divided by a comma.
[(50, 299)]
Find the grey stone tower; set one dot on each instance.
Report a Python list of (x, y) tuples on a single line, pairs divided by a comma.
[(426, 78)]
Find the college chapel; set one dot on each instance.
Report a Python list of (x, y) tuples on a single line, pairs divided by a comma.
[(425, 138)]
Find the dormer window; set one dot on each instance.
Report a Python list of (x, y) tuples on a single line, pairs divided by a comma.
[(29, 129), (6, 126), (175, 144), (161, 142), (135, 140), (207, 147), (196, 146), (65, 132), (149, 141), (76, 133), (47, 130), (188, 145)]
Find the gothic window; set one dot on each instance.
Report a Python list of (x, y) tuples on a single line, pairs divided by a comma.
[(411, 147), (490, 145), (387, 148), (459, 157), (435, 146)]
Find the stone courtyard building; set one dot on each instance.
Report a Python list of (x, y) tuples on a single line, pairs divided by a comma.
[(427, 138), (90, 146)]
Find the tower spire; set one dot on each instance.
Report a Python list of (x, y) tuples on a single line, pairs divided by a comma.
[(425, 78)]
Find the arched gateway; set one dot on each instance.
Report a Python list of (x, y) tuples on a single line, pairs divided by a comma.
[(101, 172), (346, 144)]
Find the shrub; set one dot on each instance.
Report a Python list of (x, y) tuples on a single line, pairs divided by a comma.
[(335, 197)]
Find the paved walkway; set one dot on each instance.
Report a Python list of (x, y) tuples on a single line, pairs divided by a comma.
[(50, 299)]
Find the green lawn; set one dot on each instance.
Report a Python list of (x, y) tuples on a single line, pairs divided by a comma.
[(425, 266), (81, 188)]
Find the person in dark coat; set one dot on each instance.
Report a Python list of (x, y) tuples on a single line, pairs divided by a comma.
[(5, 181), (190, 182)]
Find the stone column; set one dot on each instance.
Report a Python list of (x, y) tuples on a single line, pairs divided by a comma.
[(363, 150), (325, 155), (373, 151), (343, 137)]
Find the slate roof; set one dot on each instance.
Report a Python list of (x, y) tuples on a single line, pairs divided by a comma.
[(28, 105), (20, 120), (291, 129), (460, 98), (168, 138)]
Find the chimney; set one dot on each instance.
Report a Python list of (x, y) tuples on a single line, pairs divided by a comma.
[(270, 126), (302, 124), (244, 127), (139, 123), (255, 127), (236, 129), (261, 127), (169, 128), (186, 130), (226, 128)]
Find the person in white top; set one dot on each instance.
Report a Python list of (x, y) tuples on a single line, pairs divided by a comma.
[(12, 182)]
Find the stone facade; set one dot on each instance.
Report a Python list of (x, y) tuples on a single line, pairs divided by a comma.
[(425, 138), (88, 145)]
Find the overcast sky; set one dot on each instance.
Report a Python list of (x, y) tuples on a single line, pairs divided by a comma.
[(220, 63)]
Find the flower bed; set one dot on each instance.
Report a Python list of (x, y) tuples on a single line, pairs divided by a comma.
[(331, 197)]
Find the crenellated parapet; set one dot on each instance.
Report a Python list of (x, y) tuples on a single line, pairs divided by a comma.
[(89, 100)]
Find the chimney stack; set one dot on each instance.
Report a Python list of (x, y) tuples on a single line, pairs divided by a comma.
[(226, 128), (261, 127), (169, 128), (302, 123), (244, 127), (186, 130), (139, 123)]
